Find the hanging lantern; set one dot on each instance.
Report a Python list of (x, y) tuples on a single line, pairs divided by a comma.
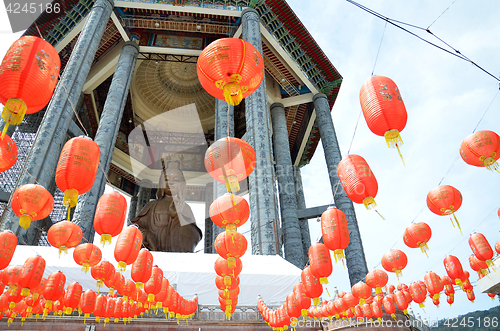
[(301, 297), (110, 216), (481, 248), (417, 235), (127, 247), (88, 303), (8, 244), (8, 153), (230, 247), (434, 284), (481, 149), (320, 262), (64, 235), (445, 200), (454, 269), (110, 309), (10, 277), (417, 294), (312, 286), (219, 282), (390, 289), (102, 271), (72, 297), (87, 255), (358, 180), (230, 160), (223, 269), (153, 285), (53, 288), (128, 290), (394, 261), (376, 279), (389, 307), (77, 168), (229, 211), (471, 296), (31, 274), (115, 282), (384, 109), (117, 312), (361, 291), (292, 306), (160, 296), (335, 232), (350, 301), (401, 302), (31, 203), (28, 76), (477, 265), (230, 69), (367, 311), (142, 267), (497, 247)]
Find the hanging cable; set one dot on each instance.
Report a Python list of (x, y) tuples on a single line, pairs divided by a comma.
[(379, 45), (441, 14)]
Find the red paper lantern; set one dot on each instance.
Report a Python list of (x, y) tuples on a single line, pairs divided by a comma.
[(221, 285), (390, 289), (445, 200), (142, 267), (497, 247), (8, 244), (481, 248), (376, 279), (117, 313), (367, 311), (10, 277), (481, 149), (72, 297), (87, 255), (320, 262), (31, 274), (127, 246), (223, 269), (159, 297), (312, 286), (394, 261), (110, 309), (88, 303), (100, 307), (292, 306), (28, 76), (335, 231), (64, 235), (31, 202), (389, 307), (53, 288), (471, 296), (230, 247), (383, 109), (229, 211), (358, 180), (110, 216), (454, 269), (302, 298), (153, 285), (230, 69), (361, 291), (229, 160), (417, 294), (102, 271), (434, 284), (478, 265), (115, 282), (401, 302), (8, 153), (417, 235), (77, 168), (128, 290)]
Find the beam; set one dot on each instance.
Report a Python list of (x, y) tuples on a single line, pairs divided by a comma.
[(179, 9), (71, 35), (119, 27), (297, 100), (313, 212), (4, 196), (102, 69), (169, 50), (306, 137)]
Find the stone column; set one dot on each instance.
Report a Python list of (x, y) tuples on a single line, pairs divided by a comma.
[(224, 119), (144, 194), (209, 198), (292, 238), (132, 209), (301, 204), (355, 256), (10, 129), (109, 124), (44, 154), (263, 200)]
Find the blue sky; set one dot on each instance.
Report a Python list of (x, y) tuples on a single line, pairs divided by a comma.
[(445, 98)]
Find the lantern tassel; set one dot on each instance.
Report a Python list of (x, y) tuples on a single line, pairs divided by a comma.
[(105, 238), (233, 93), (490, 264), (458, 224), (13, 113), (424, 248), (25, 221), (393, 139), (491, 164), (326, 288)]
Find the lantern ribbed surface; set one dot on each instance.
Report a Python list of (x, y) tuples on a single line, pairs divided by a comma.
[(7, 248), (335, 231), (444, 200), (417, 235), (28, 76), (110, 216), (454, 269), (229, 209), (87, 255), (377, 279), (481, 149), (481, 247), (64, 235), (8, 153), (320, 262), (230, 160), (127, 247), (230, 245), (394, 261), (230, 69), (31, 202)]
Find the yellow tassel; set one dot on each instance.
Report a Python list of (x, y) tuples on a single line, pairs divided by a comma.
[(491, 164), (13, 113), (394, 316), (122, 266), (326, 288), (105, 238), (316, 301), (232, 184), (233, 93), (25, 291), (25, 221), (458, 224), (424, 248)]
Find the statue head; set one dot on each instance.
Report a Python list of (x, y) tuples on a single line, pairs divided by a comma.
[(175, 183)]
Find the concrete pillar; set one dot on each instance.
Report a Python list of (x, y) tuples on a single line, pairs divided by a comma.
[(209, 198), (42, 160), (263, 200), (10, 129), (301, 204), (109, 124), (144, 194), (292, 238), (132, 209), (355, 256), (224, 119)]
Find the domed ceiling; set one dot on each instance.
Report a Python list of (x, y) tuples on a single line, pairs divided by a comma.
[(162, 86)]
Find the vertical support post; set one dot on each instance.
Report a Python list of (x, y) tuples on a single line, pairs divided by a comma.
[(42, 160), (292, 238), (132, 209), (262, 188), (301, 204), (209, 198), (355, 255), (105, 137)]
